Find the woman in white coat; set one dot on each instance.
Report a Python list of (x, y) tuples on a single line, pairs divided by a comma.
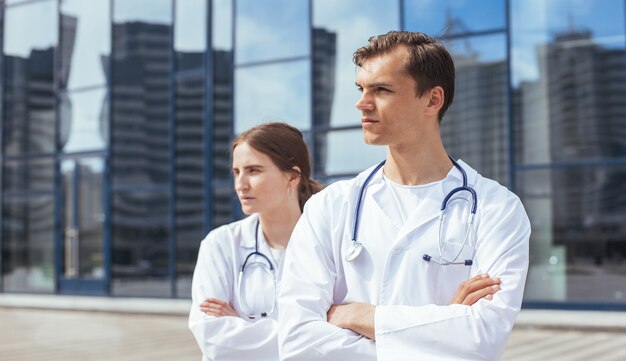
[(239, 265)]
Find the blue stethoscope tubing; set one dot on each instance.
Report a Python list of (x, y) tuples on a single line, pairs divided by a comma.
[(357, 247), (243, 267)]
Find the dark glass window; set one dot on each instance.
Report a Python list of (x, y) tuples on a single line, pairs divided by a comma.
[(271, 29), (29, 45), (140, 254), (189, 174), (141, 93), (30, 175), (475, 127), (454, 17), (27, 243), (578, 218)]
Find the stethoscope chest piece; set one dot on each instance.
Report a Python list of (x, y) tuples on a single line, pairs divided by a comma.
[(354, 251)]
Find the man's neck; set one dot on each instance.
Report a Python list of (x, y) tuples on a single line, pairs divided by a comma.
[(418, 163)]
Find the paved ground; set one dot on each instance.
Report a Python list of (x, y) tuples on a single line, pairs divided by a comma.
[(58, 335), (29, 335)]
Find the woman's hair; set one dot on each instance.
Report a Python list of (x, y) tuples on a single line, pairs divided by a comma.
[(285, 146)]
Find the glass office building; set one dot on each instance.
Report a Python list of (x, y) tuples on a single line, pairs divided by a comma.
[(117, 117)]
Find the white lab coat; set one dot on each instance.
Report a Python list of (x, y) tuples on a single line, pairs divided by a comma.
[(413, 318), (220, 258)]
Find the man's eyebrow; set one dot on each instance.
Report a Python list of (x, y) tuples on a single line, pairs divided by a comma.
[(375, 85)]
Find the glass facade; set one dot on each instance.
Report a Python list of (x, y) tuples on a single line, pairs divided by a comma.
[(118, 115)]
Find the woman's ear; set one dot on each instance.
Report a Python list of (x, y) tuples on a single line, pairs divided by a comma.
[(295, 175)]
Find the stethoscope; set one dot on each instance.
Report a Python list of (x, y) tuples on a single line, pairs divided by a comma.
[(266, 268), (357, 247)]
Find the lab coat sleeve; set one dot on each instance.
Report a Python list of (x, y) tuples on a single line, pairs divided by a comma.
[(458, 332), (307, 290), (225, 338)]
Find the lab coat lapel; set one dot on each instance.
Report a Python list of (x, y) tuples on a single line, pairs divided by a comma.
[(425, 210), (429, 208), (384, 201)]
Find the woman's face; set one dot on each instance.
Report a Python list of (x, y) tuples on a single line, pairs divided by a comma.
[(261, 187)]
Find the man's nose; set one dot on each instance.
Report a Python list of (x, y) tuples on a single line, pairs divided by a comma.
[(364, 103)]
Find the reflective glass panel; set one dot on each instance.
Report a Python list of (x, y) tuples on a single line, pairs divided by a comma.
[(274, 92), (85, 43), (475, 127), (347, 152), (577, 249), (141, 92), (190, 31), (453, 17), (84, 117), (271, 29), (83, 217), (28, 244), (189, 175), (569, 70), (30, 38), (221, 201), (222, 22), (143, 11), (30, 175), (339, 28), (140, 254)]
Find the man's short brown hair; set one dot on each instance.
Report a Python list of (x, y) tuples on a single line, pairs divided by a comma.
[(429, 62)]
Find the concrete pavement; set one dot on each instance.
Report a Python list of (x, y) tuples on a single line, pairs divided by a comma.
[(115, 329)]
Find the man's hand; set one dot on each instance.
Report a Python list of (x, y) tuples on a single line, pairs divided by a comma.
[(358, 317), (475, 288), (217, 308)]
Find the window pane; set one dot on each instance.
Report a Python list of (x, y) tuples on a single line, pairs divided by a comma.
[(578, 253), (83, 217), (271, 29), (28, 244), (569, 70), (85, 43), (143, 11), (189, 175), (475, 126), (348, 153), (84, 118), (141, 93), (140, 244), (31, 175), (339, 29), (190, 33), (274, 92), (221, 188), (222, 22), (450, 17), (29, 42)]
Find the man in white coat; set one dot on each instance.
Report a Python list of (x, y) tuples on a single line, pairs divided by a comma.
[(384, 289)]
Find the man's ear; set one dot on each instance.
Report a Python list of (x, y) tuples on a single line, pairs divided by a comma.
[(435, 100)]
